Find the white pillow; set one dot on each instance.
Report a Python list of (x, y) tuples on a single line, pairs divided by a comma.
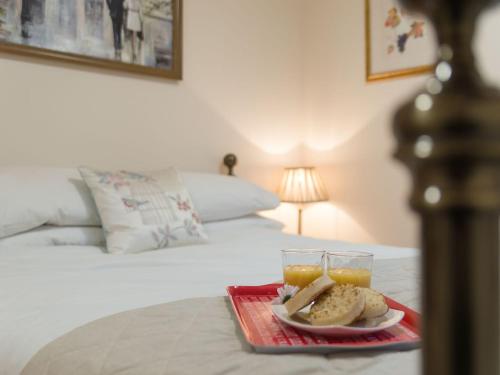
[(224, 197), (33, 196), (47, 235), (142, 212)]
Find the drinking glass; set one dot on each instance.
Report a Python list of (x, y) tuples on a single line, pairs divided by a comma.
[(350, 267), (302, 266)]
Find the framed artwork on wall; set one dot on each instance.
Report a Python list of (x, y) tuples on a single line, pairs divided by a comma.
[(397, 42), (139, 36)]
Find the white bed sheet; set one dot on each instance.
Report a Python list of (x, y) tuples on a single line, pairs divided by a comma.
[(47, 291)]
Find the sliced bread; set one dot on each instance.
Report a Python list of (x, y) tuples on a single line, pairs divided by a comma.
[(375, 305), (340, 305), (307, 295)]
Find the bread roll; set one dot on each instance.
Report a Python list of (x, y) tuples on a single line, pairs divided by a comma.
[(307, 295), (340, 305), (375, 304)]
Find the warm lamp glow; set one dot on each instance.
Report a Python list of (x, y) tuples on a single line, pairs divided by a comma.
[(302, 185)]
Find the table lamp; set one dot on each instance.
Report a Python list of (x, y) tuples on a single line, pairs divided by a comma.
[(302, 186)]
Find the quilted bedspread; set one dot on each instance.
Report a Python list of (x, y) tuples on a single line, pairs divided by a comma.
[(201, 336)]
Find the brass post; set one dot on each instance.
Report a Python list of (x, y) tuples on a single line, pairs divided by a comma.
[(449, 137)]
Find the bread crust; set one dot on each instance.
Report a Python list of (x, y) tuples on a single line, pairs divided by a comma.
[(307, 295), (375, 305), (340, 305)]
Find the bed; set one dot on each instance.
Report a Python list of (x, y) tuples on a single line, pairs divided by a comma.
[(47, 291)]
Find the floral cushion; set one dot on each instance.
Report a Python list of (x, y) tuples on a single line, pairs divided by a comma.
[(142, 212)]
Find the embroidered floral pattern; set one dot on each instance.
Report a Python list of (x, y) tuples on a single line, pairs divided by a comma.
[(191, 228), (182, 204), (142, 212), (108, 178), (138, 177), (163, 237), (196, 217), (121, 179), (134, 204)]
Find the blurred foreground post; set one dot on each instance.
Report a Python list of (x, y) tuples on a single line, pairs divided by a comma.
[(449, 137)]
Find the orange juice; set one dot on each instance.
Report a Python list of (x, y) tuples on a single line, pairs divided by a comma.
[(301, 275), (359, 277)]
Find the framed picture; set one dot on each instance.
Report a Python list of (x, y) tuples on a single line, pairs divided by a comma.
[(397, 42), (139, 36)]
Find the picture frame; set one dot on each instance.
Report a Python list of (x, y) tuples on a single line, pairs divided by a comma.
[(165, 61), (398, 33)]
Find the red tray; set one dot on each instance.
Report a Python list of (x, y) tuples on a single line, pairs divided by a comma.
[(252, 306)]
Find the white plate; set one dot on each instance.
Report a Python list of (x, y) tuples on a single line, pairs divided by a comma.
[(390, 319)]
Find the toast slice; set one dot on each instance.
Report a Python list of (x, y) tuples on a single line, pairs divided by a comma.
[(340, 305), (307, 295), (375, 305)]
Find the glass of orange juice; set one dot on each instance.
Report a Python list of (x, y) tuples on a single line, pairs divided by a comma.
[(350, 267), (302, 266)]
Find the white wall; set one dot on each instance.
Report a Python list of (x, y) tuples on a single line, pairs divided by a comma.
[(279, 82), (348, 131), (348, 126), (241, 92)]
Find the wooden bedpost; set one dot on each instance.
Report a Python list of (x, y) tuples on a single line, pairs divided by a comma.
[(449, 137)]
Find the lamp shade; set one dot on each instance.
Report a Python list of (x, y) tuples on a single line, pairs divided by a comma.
[(302, 185)]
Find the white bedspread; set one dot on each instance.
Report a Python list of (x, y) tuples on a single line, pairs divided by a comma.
[(46, 292)]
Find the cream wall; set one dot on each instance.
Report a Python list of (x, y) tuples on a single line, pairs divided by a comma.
[(241, 92), (279, 82), (348, 126)]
